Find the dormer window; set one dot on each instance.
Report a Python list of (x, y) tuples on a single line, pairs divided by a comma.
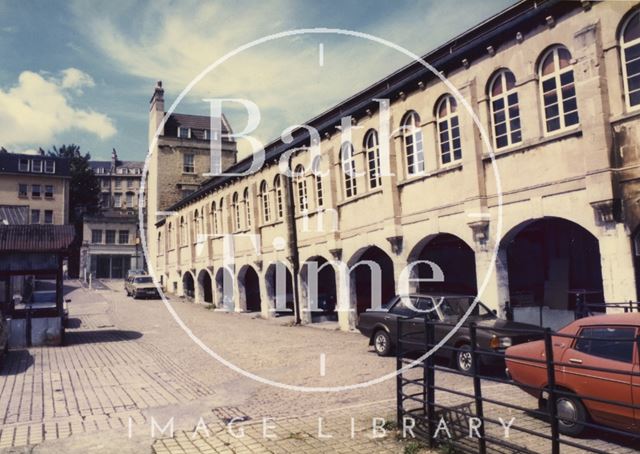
[(36, 165), (100, 170), (206, 134), (23, 165), (49, 167), (184, 133)]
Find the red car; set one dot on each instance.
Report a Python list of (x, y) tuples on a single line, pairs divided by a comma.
[(603, 341)]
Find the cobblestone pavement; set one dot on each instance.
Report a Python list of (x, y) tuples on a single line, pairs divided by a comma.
[(129, 376)]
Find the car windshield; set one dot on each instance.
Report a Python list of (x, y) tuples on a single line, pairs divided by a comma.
[(143, 280), (459, 305)]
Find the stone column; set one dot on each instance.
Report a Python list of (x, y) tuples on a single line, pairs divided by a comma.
[(616, 258), (496, 290)]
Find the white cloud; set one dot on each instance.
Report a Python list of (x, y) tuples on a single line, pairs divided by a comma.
[(38, 108)]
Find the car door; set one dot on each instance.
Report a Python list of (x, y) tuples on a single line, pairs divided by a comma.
[(602, 347), (635, 387)]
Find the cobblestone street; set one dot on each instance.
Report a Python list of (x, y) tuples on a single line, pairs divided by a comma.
[(130, 380)]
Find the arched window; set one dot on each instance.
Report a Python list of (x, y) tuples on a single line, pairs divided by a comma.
[(196, 226), (214, 218), (558, 90), (221, 217), (348, 170), (277, 184), (170, 236), (301, 183), (247, 208), (505, 110), (160, 243), (266, 207), (413, 144), (236, 212), (372, 151), (182, 232), (630, 47), (448, 130), (317, 175)]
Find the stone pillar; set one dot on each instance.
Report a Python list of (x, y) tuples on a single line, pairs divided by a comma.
[(496, 291), (616, 258)]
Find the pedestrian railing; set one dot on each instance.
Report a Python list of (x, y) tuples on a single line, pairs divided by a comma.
[(467, 418)]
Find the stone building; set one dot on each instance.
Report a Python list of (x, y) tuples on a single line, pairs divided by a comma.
[(549, 216), (34, 189), (110, 238)]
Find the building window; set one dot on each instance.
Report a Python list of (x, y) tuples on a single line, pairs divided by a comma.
[(236, 212), (317, 174), (123, 237), (110, 237), (196, 226), (35, 216), (105, 200), (160, 243), (105, 183), (558, 90), (23, 165), (35, 190), (99, 170), (448, 130), (49, 167), (182, 232), (184, 133), (169, 236), (22, 190), (630, 46), (264, 197), (36, 165), (413, 143), (48, 216), (505, 111), (188, 165), (221, 218), (372, 151), (117, 200), (118, 183), (214, 218), (348, 170), (301, 184), (277, 184), (96, 236), (247, 207), (120, 171), (129, 197), (129, 182), (48, 191)]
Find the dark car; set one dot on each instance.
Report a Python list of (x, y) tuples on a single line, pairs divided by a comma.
[(380, 327)]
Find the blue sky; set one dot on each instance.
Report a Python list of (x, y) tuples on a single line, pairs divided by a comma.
[(83, 72)]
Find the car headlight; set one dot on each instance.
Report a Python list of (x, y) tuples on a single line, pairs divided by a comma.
[(500, 342)]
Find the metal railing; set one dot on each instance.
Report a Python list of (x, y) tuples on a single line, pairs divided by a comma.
[(421, 394)]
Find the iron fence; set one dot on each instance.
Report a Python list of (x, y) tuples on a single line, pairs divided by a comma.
[(427, 399)]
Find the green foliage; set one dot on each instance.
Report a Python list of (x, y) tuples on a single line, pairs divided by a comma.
[(84, 194)]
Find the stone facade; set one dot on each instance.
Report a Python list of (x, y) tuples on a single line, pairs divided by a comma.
[(554, 208)]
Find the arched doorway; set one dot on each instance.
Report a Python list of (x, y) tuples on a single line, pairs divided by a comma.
[(365, 268), (319, 289), (188, 288), (279, 284), (249, 286), (205, 289), (224, 288), (453, 256), (551, 263)]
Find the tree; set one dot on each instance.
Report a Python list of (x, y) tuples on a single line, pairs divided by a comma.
[(84, 194)]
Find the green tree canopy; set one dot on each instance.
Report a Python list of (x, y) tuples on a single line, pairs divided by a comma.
[(84, 194)]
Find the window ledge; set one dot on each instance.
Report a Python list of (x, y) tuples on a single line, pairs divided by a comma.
[(525, 146), (364, 195), (627, 115), (271, 223), (442, 170)]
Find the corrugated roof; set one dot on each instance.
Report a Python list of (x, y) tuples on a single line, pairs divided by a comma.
[(36, 238), (14, 214)]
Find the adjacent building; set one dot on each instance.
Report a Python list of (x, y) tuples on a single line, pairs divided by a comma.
[(530, 201), (34, 189)]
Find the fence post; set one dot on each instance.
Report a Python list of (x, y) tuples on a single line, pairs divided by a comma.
[(551, 384), (477, 387), (399, 400), (429, 382)]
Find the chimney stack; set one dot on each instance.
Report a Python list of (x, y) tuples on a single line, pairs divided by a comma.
[(157, 100)]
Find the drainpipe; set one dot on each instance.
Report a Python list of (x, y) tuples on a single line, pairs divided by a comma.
[(292, 234)]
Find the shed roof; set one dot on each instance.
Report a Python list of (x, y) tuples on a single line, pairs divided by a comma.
[(36, 238)]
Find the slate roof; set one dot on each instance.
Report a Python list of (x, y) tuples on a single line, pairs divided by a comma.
[(36, 238), (9, 164), (14, 214), (197, 123)]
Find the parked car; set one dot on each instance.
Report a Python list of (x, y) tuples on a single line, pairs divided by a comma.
[(141, 286), (600, 342), (135, 272), (380, 327)]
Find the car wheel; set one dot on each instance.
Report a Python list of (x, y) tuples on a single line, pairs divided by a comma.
[(464, 359), (135, 295), (382, 343), (572, 409)]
